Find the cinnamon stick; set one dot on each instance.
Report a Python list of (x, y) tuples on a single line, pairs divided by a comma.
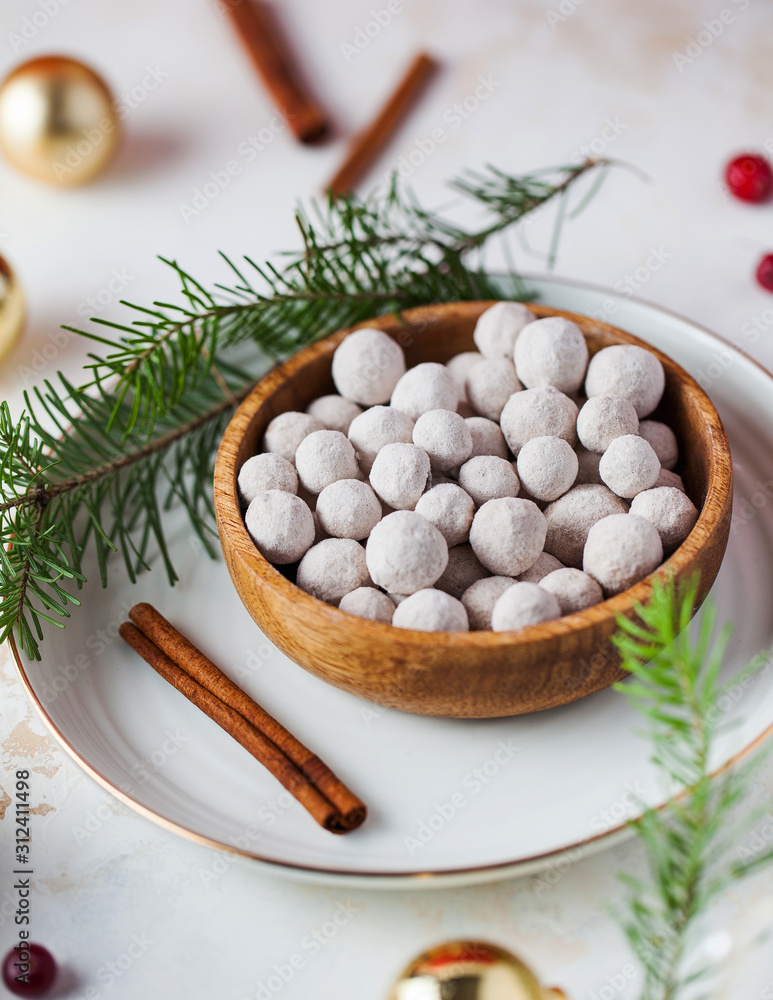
[(369, 142), (181, 650), (264, 44), (344, 814)]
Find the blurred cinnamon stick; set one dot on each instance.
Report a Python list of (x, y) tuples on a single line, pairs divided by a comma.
[(368, 144), (264, 43)]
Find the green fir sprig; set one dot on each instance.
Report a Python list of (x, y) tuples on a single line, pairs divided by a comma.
[(692, 844), (98, 464)]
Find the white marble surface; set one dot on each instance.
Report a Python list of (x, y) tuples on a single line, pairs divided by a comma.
[(129, 909)]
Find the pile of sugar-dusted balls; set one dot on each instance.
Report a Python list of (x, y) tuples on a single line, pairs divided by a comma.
[(513, 485)]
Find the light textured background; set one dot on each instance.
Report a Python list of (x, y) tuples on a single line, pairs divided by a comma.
[(560, 73)]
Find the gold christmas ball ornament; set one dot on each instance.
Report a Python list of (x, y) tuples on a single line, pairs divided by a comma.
[(11, 309), (469, 970), (58, 121)]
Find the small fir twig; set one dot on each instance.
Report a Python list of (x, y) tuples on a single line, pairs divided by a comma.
[(691, 844)]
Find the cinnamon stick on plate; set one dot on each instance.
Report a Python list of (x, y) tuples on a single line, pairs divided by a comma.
[(302, 773), (368, 144), (264, 44)]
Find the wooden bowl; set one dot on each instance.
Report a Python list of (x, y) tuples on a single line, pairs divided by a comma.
[(461, 674)]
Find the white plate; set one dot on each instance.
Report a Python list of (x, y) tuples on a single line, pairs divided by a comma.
[(461, 801)]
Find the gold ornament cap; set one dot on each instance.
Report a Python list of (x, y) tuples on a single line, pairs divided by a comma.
[(58, 121), (11, 309), (469, 970)]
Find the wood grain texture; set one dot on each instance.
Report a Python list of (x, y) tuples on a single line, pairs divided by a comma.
[(462, 674)]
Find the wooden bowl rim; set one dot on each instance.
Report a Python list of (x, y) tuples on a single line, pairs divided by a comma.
[(228, 509)]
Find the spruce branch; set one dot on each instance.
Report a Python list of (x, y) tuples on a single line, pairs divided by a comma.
[(690, 844), (96, 483), (98, 464)]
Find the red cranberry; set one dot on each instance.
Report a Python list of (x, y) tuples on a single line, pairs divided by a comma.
[(749, 177), (765, 272), (36, 964)]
